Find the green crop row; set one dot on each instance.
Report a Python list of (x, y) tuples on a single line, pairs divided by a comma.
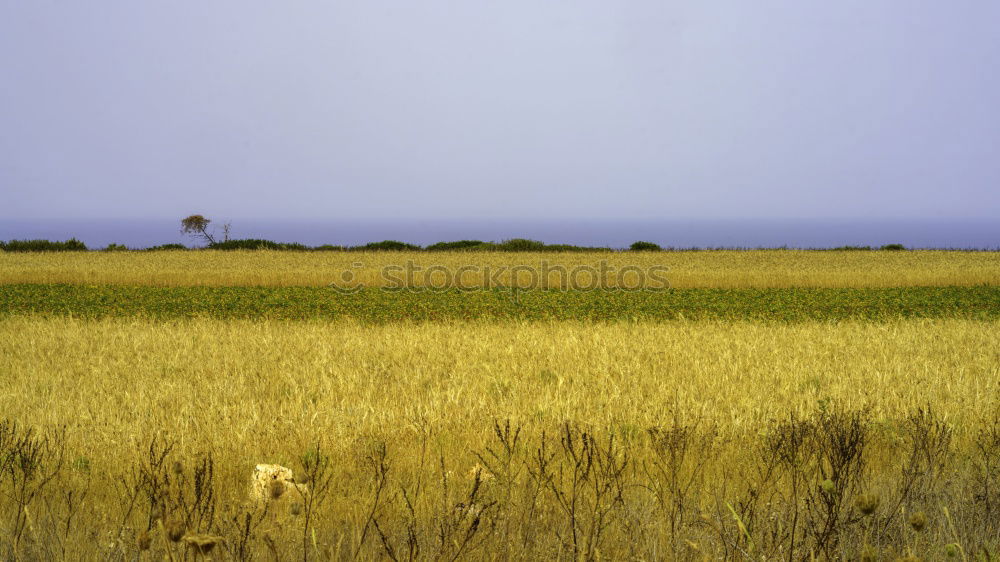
[(376, 305)]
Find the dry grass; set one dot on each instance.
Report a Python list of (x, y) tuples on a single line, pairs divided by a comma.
[(401, 410), (722, 269), (264, 382)]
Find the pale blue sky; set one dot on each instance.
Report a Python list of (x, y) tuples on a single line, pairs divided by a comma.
[(519, 109)]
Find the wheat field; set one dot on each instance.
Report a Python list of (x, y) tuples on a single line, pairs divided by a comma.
[(711, 269), (403, 415), (136, 411), (259, 380)]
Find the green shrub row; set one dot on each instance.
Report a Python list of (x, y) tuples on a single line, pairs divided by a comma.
[(512, 245), (887, 247), (256, 244), (71, 245)]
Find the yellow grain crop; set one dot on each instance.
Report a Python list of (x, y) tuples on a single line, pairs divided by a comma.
[(249, 389), (764, 268)]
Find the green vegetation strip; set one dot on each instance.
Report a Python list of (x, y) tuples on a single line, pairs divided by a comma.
[(982, 302)]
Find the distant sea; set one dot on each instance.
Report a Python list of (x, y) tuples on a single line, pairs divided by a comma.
[(795, 233)]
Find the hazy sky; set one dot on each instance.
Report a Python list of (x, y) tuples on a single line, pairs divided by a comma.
[(488, 108)]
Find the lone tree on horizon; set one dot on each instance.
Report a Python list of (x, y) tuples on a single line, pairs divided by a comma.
[(196, 226)]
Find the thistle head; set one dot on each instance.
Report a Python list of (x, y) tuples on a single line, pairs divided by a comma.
[(175, 529), (143, 540), (867, 503), (918, 521)]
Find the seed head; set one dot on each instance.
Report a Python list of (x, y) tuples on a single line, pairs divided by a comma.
[(143, 540), (275, 489), (203, 543), (867, 503), (918, 521), (175, 530), (827, 486), (156, 512)]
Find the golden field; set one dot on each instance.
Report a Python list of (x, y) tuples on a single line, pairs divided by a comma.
[(716, 269), (702, 414), (124, 379), (499, 439)]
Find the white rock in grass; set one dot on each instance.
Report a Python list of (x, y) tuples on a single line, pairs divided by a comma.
[(274, 482)]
